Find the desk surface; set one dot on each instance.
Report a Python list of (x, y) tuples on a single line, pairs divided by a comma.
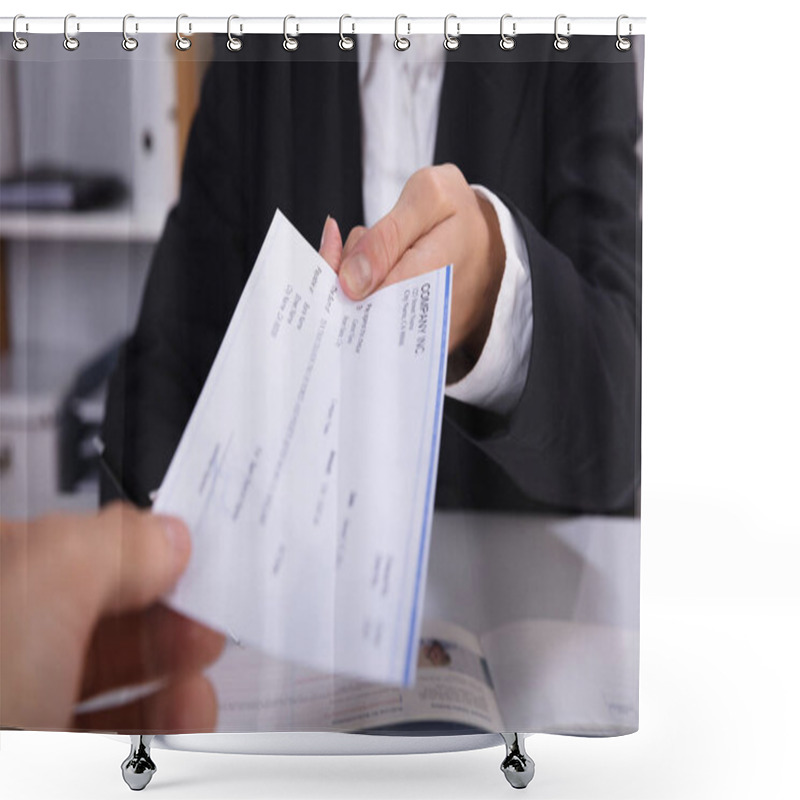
[(487, 569), (555, 600)]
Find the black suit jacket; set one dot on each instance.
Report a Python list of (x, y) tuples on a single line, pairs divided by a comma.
[(553, 134)]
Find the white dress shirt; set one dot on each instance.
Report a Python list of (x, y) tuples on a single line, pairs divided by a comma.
[(399, 94)]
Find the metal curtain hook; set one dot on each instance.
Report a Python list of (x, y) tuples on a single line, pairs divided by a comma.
[(234, 44), (451, 42), (289, 42), (622, 43), (507, 42), (70, 42), (181, 42), (561, 42), (346, 42), (19, 44), (128, 42), (400, 42)]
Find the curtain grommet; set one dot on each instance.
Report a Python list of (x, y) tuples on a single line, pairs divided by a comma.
[(290, 43), (71, 44), (181, 42), (346, 42), (129, 43), (451, 42), (507, 42), (18, 43), (561, 43), (623, 44), (401, 43), (234, 43)]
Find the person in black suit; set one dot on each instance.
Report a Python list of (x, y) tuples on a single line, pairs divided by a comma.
[(552, 134)]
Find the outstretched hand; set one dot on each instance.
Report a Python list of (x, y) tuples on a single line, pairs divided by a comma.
[(78, 617), (438, 219)]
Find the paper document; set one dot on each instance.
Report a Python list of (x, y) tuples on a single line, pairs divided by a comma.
[(306, 473)]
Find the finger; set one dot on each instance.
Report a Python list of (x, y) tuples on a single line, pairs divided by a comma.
[(428, 253), (427, 199), (121, 559), (143, 646), (353, 239), (189, 706), (330, 246)]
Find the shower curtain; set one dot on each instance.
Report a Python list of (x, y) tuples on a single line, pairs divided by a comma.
[(481, 192)]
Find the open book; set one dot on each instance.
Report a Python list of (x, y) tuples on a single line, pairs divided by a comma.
[(526, 675)]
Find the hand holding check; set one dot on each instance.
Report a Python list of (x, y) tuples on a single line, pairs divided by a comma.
[(78, 617), (438, 219)]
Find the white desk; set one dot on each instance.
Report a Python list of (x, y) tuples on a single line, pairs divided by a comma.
[(578, 574)]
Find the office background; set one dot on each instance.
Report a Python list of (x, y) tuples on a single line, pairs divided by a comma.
[(720, 604)]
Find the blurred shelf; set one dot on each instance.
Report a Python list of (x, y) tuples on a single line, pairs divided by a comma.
[(114, 225)]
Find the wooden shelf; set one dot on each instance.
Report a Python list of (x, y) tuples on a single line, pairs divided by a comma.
[(115, 225)]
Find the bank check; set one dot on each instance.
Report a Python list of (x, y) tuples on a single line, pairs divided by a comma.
[(307, 470)]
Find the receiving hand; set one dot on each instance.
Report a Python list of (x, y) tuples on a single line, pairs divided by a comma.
[(78, 617), (437, 220)]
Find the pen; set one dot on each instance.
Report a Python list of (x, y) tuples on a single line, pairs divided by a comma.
[(100, 447)]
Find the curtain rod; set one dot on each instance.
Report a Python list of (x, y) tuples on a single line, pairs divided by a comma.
[(298, 25)]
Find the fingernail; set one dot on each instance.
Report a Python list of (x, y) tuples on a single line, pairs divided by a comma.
[(325, 233), (178, 537), (357, 274)]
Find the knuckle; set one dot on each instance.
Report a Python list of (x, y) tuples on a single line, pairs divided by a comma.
[(454, 177), (434, 178), (421, 176), (452, 172), (439, 186), (427, 181)]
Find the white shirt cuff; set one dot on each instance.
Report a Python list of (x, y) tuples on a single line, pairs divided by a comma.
[(496, 381)]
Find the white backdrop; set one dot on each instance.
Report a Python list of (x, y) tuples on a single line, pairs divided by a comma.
[(721, 438)]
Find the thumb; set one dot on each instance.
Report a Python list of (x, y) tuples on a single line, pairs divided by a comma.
[(138, 555)]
